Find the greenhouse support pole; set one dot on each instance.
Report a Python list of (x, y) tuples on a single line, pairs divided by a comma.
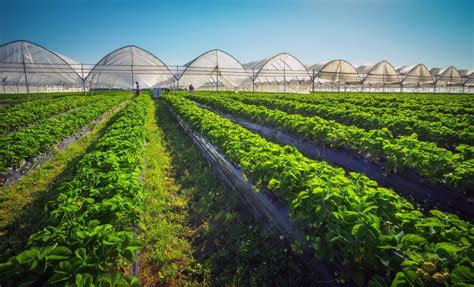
[(217, 78), (24, 71), (177, 79), (312, 82), (133, 80), (253, 79), (284, 77), (83, 80)]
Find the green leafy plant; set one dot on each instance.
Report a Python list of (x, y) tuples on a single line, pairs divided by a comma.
[(370, 232)]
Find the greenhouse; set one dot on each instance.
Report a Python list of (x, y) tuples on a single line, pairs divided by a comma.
[(127, 65), (447, 78), (26, 67), (379, 75), (415, 76), (281, 73), (336, 73), (214, 70)]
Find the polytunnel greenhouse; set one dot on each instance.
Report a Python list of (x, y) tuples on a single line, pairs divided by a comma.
[(415, 76), (379, 75), (127, 65), (469, 79), (280, 73), (336, 73), (447, 78), (214, 70), (28, 67)]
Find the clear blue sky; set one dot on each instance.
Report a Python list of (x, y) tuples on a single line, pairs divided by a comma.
[(436, 33)]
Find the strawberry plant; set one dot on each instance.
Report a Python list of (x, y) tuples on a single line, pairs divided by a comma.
[(370, 232), (30, 142), (88, 238), (380, 145)]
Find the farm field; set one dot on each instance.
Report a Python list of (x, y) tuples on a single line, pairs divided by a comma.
[(114, 190)]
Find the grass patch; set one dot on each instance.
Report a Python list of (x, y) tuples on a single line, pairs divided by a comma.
[(167, 254)]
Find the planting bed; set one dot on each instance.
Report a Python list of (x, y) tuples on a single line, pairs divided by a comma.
[(237, 189)]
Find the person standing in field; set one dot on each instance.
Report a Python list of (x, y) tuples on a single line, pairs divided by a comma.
[(191, 89), (137, 91)]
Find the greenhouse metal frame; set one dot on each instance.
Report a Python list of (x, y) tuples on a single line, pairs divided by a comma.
[(26, 67)]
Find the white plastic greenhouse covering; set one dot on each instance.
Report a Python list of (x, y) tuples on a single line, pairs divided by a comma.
[(337, 72), (465, 76), (470, 80), (127, 65), (415, 76), (281, 73), (447, 77), (27, 67), (214, 69), (379, 75)]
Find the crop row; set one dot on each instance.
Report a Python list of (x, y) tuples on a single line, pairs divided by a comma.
[(420, 110), (396, 153), (372, 233), (89, 233), (14, 117), (446, 131), (29, 142), (450, 104)]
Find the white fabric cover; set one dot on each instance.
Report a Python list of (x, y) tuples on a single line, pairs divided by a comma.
[(337, 72), (379, 74), (127, 65), (281, 73), (470, 80), (465, 73), (447, 76), (45, 69), (415, 76), (212, 66)]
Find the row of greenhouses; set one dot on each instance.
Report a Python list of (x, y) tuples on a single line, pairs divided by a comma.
[(26, 67)]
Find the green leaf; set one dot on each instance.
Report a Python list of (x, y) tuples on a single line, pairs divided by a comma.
[(84, 280), (413, 239), (81, 254), (402, 280), (448, 247), (59, 253), (462, 274), (129, 254)]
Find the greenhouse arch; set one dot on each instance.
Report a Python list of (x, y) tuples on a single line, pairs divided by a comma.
[(116, 70), (30, 67), (447, 77), (338, 73), (379, 75), (416, 76), (214, 70), (271, 74)]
